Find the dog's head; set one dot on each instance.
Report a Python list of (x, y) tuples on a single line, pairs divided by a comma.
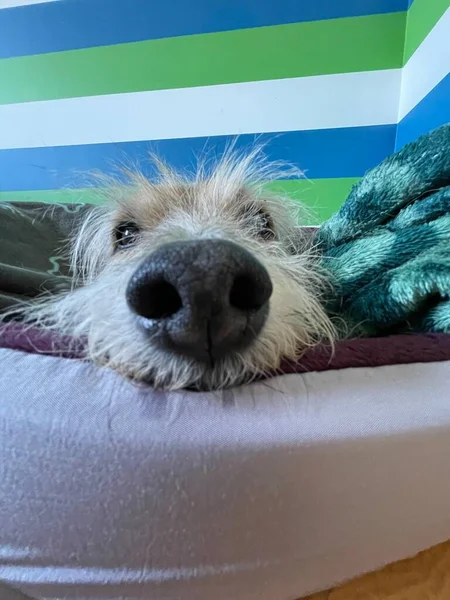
[(202, 282)]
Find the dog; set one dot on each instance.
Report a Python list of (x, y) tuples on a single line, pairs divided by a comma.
[(200, 282)]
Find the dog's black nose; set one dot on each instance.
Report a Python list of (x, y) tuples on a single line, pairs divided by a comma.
[(204, 299)]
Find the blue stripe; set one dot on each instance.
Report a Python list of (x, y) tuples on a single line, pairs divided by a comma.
[(70, 24), (431, 112), (348, 152)]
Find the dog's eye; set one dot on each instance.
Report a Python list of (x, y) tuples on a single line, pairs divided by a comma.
[(262, 219), (266, 229), (126, 234)]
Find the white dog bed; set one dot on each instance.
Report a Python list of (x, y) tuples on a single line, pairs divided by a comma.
[(269, 492)]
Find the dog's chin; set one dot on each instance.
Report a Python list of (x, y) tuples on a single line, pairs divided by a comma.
[(210, 380), (190, 375), (205, 384)]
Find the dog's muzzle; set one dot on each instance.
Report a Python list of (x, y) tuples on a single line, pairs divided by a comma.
[(203, 299)]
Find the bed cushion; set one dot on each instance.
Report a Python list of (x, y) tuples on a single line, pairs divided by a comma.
[(110, 490), (270, 491)]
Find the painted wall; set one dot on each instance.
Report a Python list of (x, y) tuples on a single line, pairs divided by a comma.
[(85, 84), (425, 91)]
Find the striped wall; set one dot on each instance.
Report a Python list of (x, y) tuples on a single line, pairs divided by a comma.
[(330, 85), (425, 91)]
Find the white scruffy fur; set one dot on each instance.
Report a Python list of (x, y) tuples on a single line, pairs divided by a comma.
[(175, 207)]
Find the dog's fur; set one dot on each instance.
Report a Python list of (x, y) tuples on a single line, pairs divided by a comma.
[(221, 202)]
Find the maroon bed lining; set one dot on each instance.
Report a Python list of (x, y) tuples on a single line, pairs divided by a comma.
[(373, 352)]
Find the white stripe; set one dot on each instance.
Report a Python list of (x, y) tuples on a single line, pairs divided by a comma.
[(322, 102), (12, 3), (429, 64)]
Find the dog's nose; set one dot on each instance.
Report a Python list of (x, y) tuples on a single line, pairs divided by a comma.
[(203, 299)]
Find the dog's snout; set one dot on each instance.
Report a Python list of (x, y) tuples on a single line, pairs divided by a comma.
[(156, 299), (204, 299)]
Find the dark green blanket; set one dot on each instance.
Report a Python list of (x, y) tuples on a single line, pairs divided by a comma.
[(388, 247), (32, 255)]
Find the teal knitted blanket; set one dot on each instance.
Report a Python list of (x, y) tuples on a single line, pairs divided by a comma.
[(388, 247)]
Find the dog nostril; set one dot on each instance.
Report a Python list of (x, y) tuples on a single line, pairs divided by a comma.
[(246, 294), (158, 300)]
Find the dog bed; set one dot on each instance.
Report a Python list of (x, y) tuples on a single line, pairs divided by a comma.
[(270, 491)]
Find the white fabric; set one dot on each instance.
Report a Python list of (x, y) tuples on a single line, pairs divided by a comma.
[(266, 492)]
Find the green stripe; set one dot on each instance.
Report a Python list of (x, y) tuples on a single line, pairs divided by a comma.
[(63, 196), (422, 17), (322, 197), (294, 50)]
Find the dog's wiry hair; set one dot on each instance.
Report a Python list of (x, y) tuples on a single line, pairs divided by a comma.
[(221, 201)]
